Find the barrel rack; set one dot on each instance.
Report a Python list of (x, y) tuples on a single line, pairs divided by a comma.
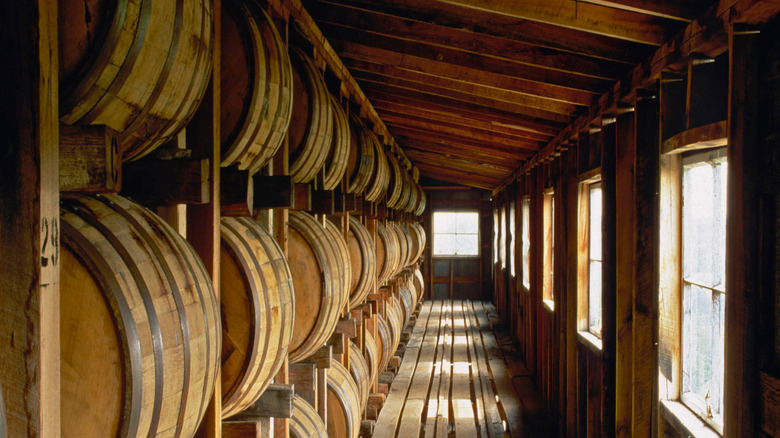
[(184, 182)]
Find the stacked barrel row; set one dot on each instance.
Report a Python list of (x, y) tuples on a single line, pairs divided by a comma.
[(143, 333)]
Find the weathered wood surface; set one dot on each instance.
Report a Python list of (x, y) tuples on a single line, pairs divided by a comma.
[(453, 353)]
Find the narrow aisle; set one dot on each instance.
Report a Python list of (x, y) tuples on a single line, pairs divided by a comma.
[(457, 379)]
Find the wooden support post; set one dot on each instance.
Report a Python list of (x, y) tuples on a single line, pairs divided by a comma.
[(257, 427), (570, 192), (645, 315), (276, 401), (273, 191), (608, 285), (323, 202), (743, 237), (236, 192), (30, 219), (303, 376), (302, 197), (203, 136), (89, 159)]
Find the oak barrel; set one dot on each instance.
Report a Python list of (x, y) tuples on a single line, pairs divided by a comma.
[(258, 304), (387, 255), (408, 302), (404, 245), (395, 320), (311, 126), (256, 87), (140, 67), (321, 283), (395, 183), (343, 403), (372, 357), (384, 342), (380, 176), (422, 201), (140, 327), (360, 372), (336, 163), (362, 257), (417, 233), (305, 421), (418, 284), (360, 161)]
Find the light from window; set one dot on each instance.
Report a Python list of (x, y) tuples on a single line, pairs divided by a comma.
[(502, 238), (549, 247), (455, 233), (512, 225), (704, 255), (495, 236), (594, 259), (526, 242)]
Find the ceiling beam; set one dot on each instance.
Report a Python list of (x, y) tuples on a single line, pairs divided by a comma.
[(616, 23), (426, 114), (536, 115), (447, 107), (465, 153), (683, 10), (476, 93), (459, 177), (454, 71), (543, 35), (458, 163), (478, 148)]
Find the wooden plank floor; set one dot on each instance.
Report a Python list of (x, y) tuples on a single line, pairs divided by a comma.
[(460, 376)]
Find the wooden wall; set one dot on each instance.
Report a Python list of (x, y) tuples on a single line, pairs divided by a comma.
[(611, 386), (459, 277)]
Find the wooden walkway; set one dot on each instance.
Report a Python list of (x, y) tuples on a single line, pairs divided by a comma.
[(459, 377)]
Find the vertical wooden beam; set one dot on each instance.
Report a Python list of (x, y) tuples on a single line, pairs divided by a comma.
[(608, 286), (742, 236), (570, 190), (645, 315), (625, 226), (29, 219), (203, 137)]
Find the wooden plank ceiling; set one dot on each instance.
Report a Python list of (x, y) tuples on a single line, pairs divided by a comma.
[(471, 89)]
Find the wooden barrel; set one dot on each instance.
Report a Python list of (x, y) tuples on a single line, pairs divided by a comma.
[(311, 126), (342, 259), (417, 234), (406, 192), (414, 195), (394, 321), (343, 403), (139, 323), (256, 87), (380, 178), (387, 256), (418, 283), (362, 257), (404, 242), (336, 163), (360, 161), (384, 342), (258, 303), (372, 357), (140, 67), (395, 182), (408, 302), (321, 283), (422, 201), (305, 421), (360, 372)]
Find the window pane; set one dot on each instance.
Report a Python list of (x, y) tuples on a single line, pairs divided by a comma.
[(455, 233), (526, 224), (698, 244), (594, 298), (512, 225), (595, 221)]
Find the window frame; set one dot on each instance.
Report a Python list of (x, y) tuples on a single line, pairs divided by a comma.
[(525, 243), (451, 256), (584, 260), (548, 248)]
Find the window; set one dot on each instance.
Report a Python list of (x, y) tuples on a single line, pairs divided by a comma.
[(512, 226), (456, 233), (495, 236), (502, 238), (594, 259), (549, 248), (526, 242), (703, 283)]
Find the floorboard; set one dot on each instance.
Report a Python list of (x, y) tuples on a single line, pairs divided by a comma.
[(461, 376)]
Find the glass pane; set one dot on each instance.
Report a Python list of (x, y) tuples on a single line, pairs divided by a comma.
[(595, 221), (445, 222), (512, 225), (468, 244), (445, 244), (594, 298), (468, 223), (698, 223), (719, 257), (698, 340), (526, 224)]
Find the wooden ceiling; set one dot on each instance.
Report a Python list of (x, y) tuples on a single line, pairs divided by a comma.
[(472, 89)]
